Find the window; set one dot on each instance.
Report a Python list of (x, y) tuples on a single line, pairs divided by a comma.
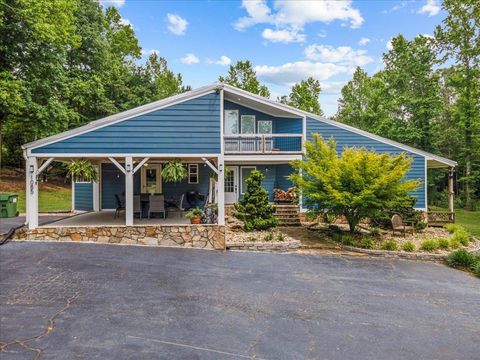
[(193, 173), (264, 127), (245, 172), (248, 124), (231, 122)]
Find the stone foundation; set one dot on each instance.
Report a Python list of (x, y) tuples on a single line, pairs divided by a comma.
[(279, 246), (191, 236)]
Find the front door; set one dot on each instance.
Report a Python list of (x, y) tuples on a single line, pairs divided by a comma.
[(231, 185), (151, 179)]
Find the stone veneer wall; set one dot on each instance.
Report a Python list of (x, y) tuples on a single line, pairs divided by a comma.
[(192, 236)]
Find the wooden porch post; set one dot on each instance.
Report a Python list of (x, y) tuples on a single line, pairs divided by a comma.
[(128, 191), (451, 190), (32, 192), (221, 191)]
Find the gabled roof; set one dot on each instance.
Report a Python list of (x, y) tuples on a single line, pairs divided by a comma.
[(239, 96)]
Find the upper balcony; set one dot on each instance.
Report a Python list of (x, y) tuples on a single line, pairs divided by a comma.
[(263, 143)]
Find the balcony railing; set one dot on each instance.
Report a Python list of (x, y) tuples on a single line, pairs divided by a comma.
[(263, 143)]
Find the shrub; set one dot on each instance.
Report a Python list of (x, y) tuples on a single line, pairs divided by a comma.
[(476, 268), (454, 244), (443, 244), (268, 237), (462, 236), (348, 240), (451, 228), (390, 245), (430, 245), (367, 243), (407, 213), (280, 236), (375, 232), (408, 246), (463, 259), (254, 209)]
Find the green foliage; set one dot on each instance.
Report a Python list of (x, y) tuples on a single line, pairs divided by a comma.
[(174, 171), (243, 76), (430, 245), (451, 228), (462, 236), (269, 236), (194, 213), (304, 96), (454, 243), (390, 245), (463, 259), (407, 213), (281, 236), (367, 242), (348, 240), (443, 244), (82, 170), (476, 269), (357, 184), (375, 232), (254, 209), (408, 246)]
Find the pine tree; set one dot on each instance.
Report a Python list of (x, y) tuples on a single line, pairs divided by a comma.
[(254, 209)]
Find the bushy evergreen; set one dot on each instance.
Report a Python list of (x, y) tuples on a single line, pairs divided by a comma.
[(254, 209)]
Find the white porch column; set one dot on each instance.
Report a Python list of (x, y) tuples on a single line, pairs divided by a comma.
[(221, 190), (451, 190), (32, 192), (96, 190), (128, 191)]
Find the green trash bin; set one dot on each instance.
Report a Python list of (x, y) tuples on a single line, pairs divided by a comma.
[(8, 205)]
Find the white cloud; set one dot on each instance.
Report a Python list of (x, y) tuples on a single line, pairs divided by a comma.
[(292, 73), (223, 61), (332, 87), (342, 55), (289, 17), (363, 41), (149, 52), (389, 45), (322, 34), (431, 7), (283, 36), (190, 59), (177, 24), (126, 22), (116, 3), (395, 7)]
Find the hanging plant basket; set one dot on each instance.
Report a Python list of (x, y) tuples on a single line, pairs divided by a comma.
[(174, 171), (81, 170)]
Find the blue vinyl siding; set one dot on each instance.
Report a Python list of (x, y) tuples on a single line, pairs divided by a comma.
[(83, 196), (345, 138), (190, 127)]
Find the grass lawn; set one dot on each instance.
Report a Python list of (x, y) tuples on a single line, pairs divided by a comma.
[(468, 219)]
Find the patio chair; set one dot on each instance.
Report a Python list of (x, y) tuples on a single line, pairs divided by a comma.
[(402, 226), (157, 205), (119, 208), (137, 205)]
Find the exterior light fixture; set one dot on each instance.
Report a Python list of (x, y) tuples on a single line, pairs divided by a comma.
[(129, 168), (32, 169)]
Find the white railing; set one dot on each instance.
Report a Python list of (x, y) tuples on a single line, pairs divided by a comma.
[(263, 143)]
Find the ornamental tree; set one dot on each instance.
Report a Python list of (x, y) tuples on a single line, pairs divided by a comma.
[(355, 184), (254, 209)]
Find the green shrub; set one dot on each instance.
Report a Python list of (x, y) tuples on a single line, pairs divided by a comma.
[(462, 236), (451, 228), (454, 244), (463, 259), (390, 245), (280, 236), (429, 245), (408, 246), (268, 237), (375, 232), (476, 269), (367, 243), (348, 240), (251, 238), (420, 225), (443, 244)]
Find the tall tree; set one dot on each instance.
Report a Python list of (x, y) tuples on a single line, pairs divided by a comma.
[(304, 96), (458, 40), (243, 76)]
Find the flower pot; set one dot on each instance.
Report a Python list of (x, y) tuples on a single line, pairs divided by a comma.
[(196, 220)]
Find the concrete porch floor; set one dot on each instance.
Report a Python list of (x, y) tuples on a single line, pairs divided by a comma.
[(107, 218)]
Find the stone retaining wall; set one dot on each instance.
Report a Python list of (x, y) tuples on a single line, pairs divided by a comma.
[(192, 236), (264, 245)]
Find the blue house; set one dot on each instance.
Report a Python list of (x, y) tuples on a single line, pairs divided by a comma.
[(221, 133)]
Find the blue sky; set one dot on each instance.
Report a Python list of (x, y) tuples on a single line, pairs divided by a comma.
[(287, 41)]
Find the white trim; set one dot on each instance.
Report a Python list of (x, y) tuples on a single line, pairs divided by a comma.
[(96, 190), (117, 164), (32, 192), (256, 108), (254, 124), (73, 195), (222, 119), (258, 126), (210, 165), (44, 165), (197, 174), (241, 176), (140, 164), (158, 179), (129, 191), (425, 185), (262, 158), (109, 155), (122, 116), (221, 191), (238, 121), (304, 133)]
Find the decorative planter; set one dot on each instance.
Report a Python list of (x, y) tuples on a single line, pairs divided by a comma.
[(196, 220)]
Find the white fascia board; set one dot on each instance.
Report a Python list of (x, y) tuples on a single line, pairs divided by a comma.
[(107, 155), (260, 159), (427, 155), (122, 116)]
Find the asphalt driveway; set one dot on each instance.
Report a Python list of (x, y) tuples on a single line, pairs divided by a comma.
[(88, 301)]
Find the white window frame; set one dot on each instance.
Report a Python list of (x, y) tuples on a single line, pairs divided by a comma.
[(241, 176), (271, 126), (225, 120), (254, 123), (190, 173), (82, 182)]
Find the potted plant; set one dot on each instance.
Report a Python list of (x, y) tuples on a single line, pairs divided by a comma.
[(174, 171), (195, 215), (82, 170)]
